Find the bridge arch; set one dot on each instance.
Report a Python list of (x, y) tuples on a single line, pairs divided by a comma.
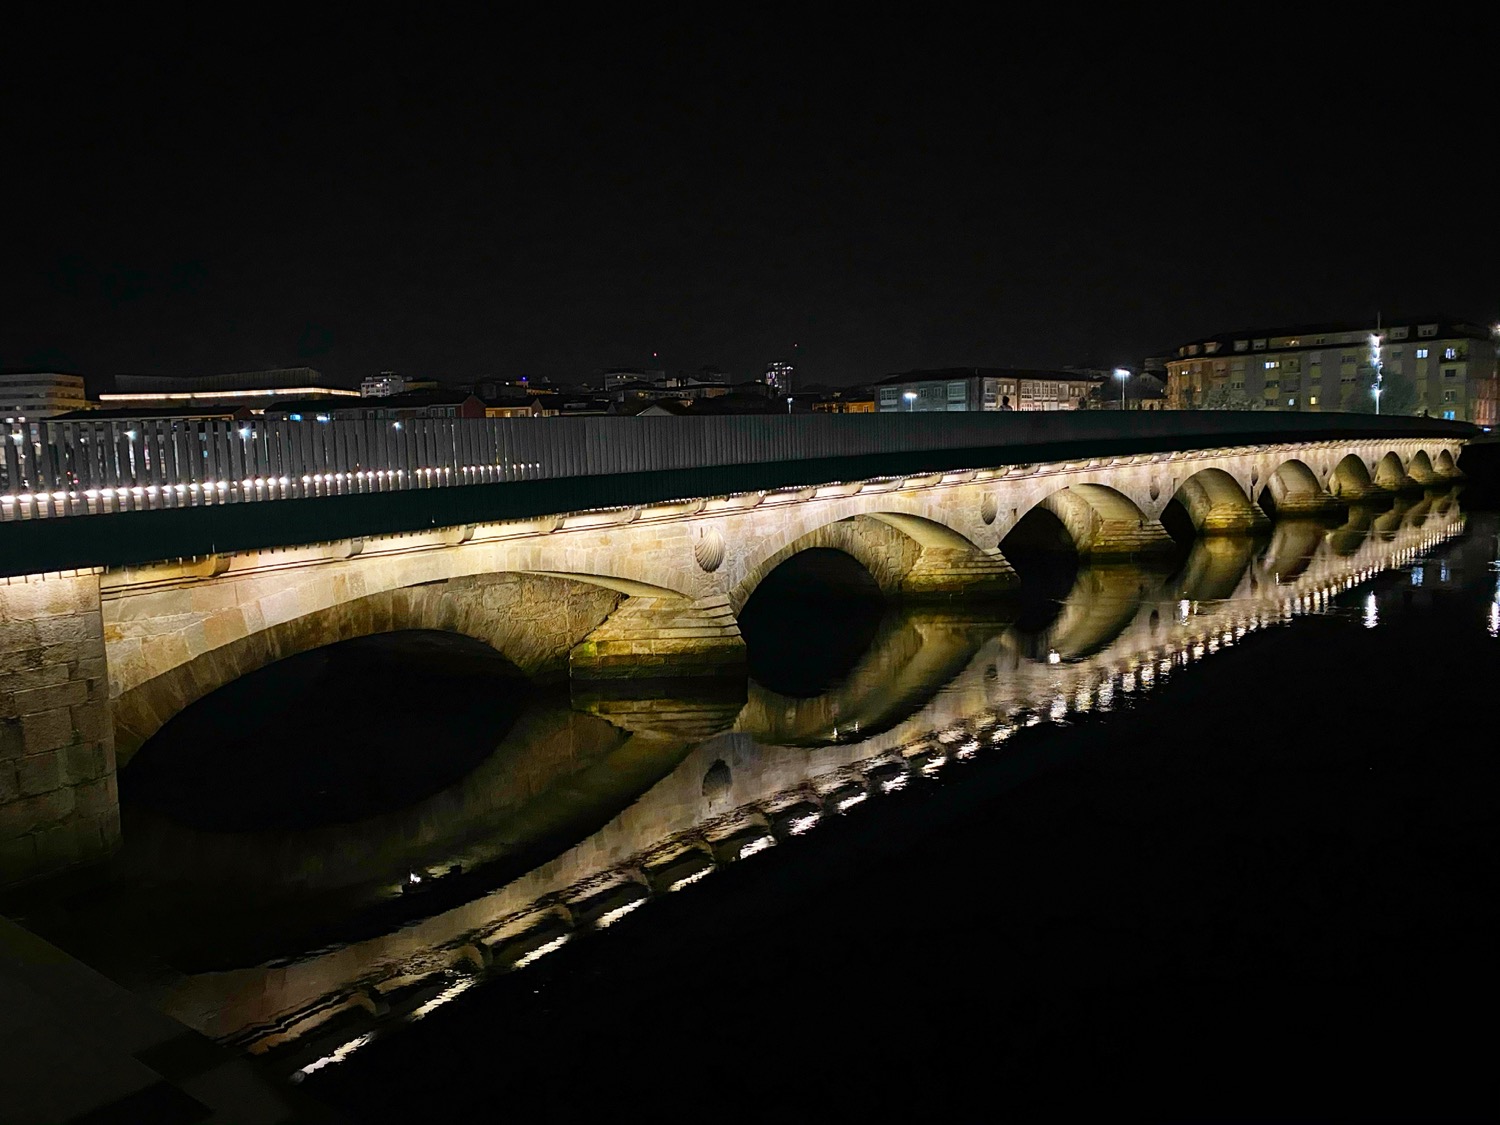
[(1445, 465), (1390, 473), (1420, 469), (1215, 504), (1294, 489), (909, 556), (1095, 520), (532, 620), (1350, 479)]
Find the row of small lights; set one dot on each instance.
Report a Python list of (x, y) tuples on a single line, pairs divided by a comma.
[(257, 482), (958, 742)]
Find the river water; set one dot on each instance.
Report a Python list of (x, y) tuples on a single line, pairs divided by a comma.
[(1210, 838)]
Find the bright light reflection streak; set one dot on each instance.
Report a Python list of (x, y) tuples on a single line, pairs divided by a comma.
[(453, 991), (850, 801), (337, 1055), (688, 880), (891, 784), (803, 823), (759, 844), (1372, 611), (538, 953), (610, 917)]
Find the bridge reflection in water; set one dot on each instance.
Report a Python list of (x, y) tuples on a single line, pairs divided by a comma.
[(591, 807)]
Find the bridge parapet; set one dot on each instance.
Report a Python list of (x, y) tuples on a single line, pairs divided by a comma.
[(80, 468)]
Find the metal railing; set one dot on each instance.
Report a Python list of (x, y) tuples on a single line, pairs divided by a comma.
[(76, 468)]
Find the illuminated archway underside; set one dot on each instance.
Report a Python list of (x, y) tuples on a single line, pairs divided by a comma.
[(1293, 489), (533, 621), (1217, 505), (1104, 522)]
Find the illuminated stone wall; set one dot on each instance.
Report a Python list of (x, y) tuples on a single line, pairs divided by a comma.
[(58, 802)]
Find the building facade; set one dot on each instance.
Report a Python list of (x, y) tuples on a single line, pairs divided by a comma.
[(389, 383), (1439, 365), (982, 388), (34, 396)]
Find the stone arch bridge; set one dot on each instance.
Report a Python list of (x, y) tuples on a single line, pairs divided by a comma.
[(99, 658)]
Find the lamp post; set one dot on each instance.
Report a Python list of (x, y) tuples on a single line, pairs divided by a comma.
[(911, 398), (1124, 376)]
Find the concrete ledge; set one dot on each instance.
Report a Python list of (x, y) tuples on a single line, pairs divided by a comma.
[(76, 1047)]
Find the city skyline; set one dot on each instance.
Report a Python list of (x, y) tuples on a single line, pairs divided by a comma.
[(712, 194)]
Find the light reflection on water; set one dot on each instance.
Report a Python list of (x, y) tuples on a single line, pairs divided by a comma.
[(936, 686)]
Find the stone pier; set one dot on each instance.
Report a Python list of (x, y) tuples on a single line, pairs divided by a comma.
[(58, 802), (662, 638)]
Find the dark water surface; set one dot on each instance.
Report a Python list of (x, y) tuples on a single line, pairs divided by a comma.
[(1211, 840)]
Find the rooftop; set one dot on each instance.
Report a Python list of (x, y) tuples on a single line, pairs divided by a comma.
[(1448, 325), (940, 373)]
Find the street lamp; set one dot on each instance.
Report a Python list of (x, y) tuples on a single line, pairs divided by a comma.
[(910, 397), (788, 404), (1124, 376)]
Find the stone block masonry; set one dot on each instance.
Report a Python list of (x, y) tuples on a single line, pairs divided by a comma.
[(58, 802)]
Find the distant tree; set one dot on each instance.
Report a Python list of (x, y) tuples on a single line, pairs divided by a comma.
[(1398, 394), (1221, 396)]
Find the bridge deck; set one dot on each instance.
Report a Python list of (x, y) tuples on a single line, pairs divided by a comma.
[(543, 468)]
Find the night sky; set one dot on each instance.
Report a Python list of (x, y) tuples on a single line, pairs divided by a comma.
[(465, 199)]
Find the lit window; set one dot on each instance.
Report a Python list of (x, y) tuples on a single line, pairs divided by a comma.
[(1312, 400), (1272, 364), (1450, 353), (1421, 353), (1291, 402)]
